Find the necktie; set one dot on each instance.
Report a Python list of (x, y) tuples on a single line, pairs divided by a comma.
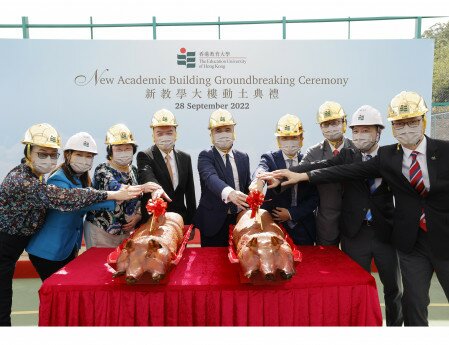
[(417, 182), (170, 171), (372, 188), (294, 195), (335, 152), (230, 181)]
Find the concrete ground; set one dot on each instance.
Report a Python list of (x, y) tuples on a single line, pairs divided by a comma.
[(26, 302)]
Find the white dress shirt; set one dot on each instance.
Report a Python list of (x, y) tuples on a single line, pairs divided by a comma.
[(378, 180), (227, 190), (422, 160), (337, 148), (174, 168)]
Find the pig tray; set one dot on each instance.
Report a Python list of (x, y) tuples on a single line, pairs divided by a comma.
[(147, 256), (263, 249)]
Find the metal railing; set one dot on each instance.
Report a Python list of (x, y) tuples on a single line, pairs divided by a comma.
[(154, 24)]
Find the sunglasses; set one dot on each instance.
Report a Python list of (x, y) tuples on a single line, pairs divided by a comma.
[(43, 155)]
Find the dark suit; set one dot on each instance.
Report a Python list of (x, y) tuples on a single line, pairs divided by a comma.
[(303, 231), (420, 252), (151, 167), (328, 213), (212, 213), (363, 241)]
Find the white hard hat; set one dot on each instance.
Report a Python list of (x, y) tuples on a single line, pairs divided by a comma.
[(366, 115), (81, 141)]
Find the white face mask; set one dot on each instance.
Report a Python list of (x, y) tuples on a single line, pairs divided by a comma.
[(363, 141), (408, 136), (166, 143), (123, 158), (290, 147), (81, 164), (224, 140), (44, 166), (333, 133)]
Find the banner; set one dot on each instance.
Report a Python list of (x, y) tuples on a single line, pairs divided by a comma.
[(92, 85)]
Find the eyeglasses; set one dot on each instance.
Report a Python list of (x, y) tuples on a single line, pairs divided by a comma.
[(412, 123), (43, 155), (331, 123)]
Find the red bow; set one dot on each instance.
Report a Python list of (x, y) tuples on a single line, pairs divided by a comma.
[(157, 207), (255, 200)]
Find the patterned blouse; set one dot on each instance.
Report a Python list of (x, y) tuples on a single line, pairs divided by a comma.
[(24, 200), (108, 178)]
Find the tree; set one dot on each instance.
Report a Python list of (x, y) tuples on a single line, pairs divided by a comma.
[(440, 33)]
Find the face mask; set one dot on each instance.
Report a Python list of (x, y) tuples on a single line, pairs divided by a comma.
[(408, 136), (224, 140), (290, 147), (80, 164), (44, 166), (333, 133), (363, 141), (165, 143), (123, 158)]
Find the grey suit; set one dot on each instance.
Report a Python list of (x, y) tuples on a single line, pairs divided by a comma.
[(327, 219)]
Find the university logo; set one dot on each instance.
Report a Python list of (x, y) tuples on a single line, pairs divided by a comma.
[(186, 58)]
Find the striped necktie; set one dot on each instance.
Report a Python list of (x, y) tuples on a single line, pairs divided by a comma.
[(417, 182)]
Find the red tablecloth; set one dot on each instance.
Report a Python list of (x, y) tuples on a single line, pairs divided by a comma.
[(329, 289)]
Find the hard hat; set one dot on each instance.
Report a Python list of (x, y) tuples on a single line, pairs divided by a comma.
[(163, 117), (119, 134), (406, 105), (366, 115), (219, 118), (43, 135), (329, 111), (289, 125), (81, 141)]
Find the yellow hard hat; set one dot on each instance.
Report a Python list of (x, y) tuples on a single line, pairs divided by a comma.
[(119, 134), (163, 117), (406, 105), (329, 111), (219, 118), (289, 125), (43, 135)]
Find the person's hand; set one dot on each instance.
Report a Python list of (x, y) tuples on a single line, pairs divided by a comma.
[(126, 192), (132, 223), (257, 184), (238, 198), (281, 214), (289, 177), (150, 187), (160, 193), (269, 179)]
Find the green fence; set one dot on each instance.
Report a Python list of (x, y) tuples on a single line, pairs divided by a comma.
[(154, 24)]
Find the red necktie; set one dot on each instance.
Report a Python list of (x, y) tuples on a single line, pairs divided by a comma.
[(335, 152), (417, 182)]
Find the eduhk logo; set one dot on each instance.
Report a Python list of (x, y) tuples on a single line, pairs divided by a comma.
[(186, 58)]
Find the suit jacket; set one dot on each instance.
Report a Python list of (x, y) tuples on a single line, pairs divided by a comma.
[(212, 211), (151, 167), (409, 204), (307, 195), (327, 218), (357, 198)]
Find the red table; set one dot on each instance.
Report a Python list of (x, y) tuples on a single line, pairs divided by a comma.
[(329, 289)]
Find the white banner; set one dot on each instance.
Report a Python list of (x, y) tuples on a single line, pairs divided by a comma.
[(92, 85)]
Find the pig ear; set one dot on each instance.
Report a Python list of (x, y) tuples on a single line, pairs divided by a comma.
[(129, 245), (276, 241), (252, 242), (153, 245)]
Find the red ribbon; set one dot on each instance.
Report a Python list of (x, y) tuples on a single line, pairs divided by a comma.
[(156, 207), (255, 200)]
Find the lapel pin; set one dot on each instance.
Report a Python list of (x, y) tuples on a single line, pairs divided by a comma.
[(433, 158)]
